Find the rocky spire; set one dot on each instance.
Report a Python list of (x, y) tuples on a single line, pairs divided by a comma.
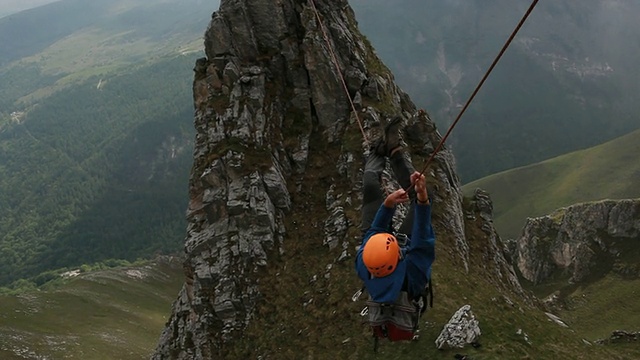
[(266, 92)]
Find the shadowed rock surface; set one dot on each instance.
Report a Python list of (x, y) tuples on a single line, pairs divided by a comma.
[(577, 240), (268, 99)]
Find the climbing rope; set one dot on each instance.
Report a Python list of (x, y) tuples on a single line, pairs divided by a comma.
[(335, 62), (473, 95), (464, 108)]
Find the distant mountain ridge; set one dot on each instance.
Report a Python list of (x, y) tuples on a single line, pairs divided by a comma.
[(13, 6), (569, 80)]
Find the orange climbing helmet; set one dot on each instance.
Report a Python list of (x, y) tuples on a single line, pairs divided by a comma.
[(380, 254)]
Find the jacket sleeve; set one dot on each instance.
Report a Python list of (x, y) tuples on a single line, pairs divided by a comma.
[(421, 252), (423, 237)]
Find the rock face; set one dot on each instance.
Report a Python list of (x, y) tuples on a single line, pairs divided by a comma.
[(265, 92), (462, 329), (575, 240), (496, 256)]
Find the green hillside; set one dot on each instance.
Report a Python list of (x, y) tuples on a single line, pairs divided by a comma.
[(607, 171), (96, 131), (603, 306), (109, 314)]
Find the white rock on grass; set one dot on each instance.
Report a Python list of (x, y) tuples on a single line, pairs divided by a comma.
[(462, 329)]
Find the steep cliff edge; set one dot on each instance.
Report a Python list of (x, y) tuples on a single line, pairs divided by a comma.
[(583, 260), (274, 189), (580, 242)]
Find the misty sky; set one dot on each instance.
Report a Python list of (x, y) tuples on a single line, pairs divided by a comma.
[(8, 7)]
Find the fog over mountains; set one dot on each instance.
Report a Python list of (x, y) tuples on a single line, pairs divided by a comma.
[(568, 81), (8, 7)]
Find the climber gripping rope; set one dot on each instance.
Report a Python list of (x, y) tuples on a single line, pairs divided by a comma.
[(395, 267)]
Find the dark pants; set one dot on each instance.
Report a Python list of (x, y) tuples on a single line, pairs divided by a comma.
[(372, 193)]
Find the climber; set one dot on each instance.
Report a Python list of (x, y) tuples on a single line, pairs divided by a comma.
[(386, 266)]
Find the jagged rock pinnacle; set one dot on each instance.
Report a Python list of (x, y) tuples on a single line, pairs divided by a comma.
[(266, 90)]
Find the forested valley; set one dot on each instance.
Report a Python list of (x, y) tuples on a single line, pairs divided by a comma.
[(97, 172)]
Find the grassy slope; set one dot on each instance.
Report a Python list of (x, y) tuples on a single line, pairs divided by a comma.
[(597, 309), (109, 314), (112, 315), (607, 171), (321, 322)]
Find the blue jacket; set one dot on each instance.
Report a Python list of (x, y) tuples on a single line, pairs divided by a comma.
[(417, 256)]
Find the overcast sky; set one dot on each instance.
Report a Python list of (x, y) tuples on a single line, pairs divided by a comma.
[(8, 7)]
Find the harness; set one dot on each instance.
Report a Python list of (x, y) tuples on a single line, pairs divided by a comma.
[(398, 320)]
